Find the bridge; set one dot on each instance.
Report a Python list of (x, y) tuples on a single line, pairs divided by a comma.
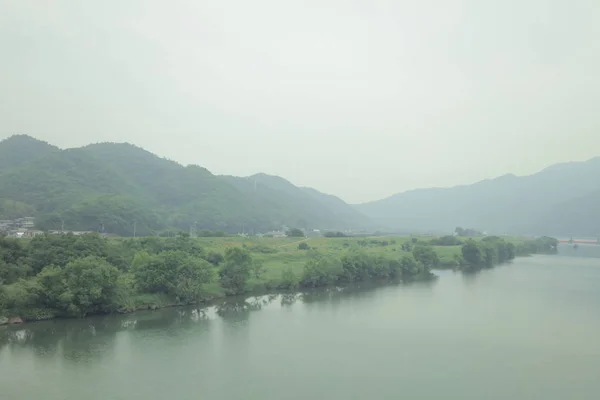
[(579, 241)]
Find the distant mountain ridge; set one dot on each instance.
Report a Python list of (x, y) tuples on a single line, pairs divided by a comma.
[(116, 186), (548, 202)]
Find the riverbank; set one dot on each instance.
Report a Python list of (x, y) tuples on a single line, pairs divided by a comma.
[(67, 276)]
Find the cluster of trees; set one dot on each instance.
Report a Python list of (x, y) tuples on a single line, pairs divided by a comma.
[(375, 242), (541, 245), (447, 240), (70, 275), (356, 266), (331, 234), (295, 232), (487, 252), (467, 232), (10, 209), (493, 250)]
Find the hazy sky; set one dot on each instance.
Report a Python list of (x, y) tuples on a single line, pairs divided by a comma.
[(360, 99)]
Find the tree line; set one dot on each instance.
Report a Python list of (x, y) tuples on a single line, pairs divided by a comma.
[(77, 275)]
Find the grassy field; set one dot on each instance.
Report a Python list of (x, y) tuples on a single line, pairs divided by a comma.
[(277, 254)]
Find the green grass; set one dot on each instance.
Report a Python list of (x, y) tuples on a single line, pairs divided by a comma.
[(279, 254)]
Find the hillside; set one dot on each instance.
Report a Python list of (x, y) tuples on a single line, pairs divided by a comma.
[(557, 200), (307, 206), (114, 187), (21, 149)]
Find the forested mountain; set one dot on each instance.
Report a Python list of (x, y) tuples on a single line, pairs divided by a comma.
[(306, 205), (563, 199), (114, 187), (21, 149)]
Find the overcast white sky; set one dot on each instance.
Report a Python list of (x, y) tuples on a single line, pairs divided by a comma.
[(360, 99)]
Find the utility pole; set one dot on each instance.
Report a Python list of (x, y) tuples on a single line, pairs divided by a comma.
[(134, 225), (62, 225)]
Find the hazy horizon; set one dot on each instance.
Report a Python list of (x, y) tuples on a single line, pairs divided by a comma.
[(358, 100)]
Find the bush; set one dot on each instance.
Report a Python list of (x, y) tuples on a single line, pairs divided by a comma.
[(334, 234), (295, 232), (447, 240), (426, 255), (303, 246), (214, 258)]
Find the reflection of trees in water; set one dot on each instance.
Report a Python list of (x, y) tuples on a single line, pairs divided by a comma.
[(89, 338), (239, 309), (77, 340), (288, 299)]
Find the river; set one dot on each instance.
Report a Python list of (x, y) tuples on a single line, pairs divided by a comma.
[(525, 330)]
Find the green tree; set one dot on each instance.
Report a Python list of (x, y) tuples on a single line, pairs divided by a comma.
[(303, 246), (84, 286), (192, 276), (413, 269), (214, 258), (426, 255), (236, 270), (295, 232), (289, 280), (157, 273), (321, 271), (3, 299), (472, 253)]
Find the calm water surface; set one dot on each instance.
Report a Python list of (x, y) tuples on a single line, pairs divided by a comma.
[(529, 330)]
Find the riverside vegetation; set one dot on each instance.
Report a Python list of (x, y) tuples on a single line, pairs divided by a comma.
[(73, 276)]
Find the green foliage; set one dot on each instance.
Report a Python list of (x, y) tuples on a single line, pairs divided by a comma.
[(467, 232), (157, 273), (303, 246), (11, 209), (447, 240), (214, 258), (59, 250), (122, 189), (426, 255), (236, 270), (84, 286), (485, 253), (334, 234), (3, 299), (472, 253), (192, 276), (261, 248), (295, 232), (321, 271), (289, 280), (13, 264), (69, 275)]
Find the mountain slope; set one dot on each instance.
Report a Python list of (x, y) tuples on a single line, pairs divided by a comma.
[(307, 205), (505, 204), (116, 187), (21, 149)]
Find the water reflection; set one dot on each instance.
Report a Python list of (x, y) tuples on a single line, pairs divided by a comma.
[(86, 339)]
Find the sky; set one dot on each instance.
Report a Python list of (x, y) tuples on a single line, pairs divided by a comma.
[(360, 99)]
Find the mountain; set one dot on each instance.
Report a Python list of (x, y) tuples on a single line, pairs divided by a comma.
[(559, 200), (116, 186), (306, 205), (21, 149)]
